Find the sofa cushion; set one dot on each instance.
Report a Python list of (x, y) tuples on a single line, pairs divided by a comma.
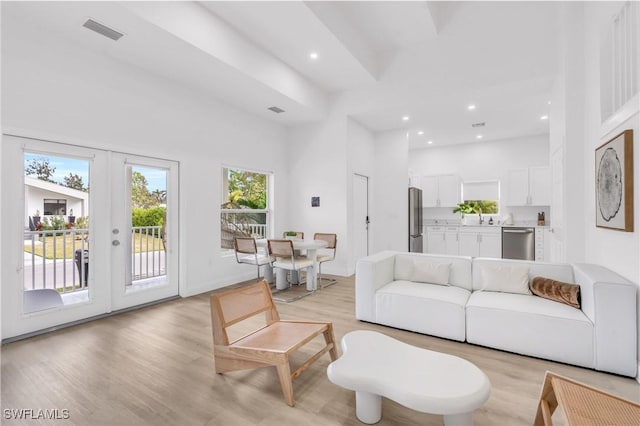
[(556, 271), (530, 325), (430, 272), (557, 291), (505, 278), (459, 272), (425, 308)]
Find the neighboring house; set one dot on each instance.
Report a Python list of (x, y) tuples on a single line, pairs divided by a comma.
[(52, 199)]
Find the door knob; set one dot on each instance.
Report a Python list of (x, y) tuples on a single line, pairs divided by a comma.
[(115, 243)]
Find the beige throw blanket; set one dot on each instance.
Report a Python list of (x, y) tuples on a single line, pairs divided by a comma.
[(556, 291)]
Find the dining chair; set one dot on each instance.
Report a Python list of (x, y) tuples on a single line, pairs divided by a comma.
[(282, 255), (325, 255), (268, 345), (300, 236), (247, 252), (41, 299)]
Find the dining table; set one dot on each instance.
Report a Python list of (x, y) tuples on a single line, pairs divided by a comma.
[(311, 247)]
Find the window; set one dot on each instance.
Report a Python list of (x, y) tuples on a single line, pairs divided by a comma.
[(55, 207), (485, 195), (244, 209)]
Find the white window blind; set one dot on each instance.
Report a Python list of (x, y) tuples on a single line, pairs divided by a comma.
[(620, 61), (481, 190)]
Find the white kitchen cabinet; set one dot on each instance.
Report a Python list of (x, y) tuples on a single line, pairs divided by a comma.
[(435, 240), (469, 244), (540, 186), (451, 240), (543, 245), (529, 187), (442, 240), (429, 186), (491, 244), (440, 191), (478, 241)]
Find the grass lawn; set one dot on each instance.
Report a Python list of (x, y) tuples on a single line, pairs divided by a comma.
[(64, 247)]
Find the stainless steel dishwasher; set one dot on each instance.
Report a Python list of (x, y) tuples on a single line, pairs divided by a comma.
[(518, 243)]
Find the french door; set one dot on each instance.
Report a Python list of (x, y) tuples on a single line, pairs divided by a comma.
[(85, 232)]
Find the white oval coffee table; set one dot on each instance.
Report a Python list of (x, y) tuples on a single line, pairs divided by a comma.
[(374, 365)]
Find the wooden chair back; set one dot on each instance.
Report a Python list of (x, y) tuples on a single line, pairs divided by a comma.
[(245, 245), (280, 248), (231, 307), (331, 239)]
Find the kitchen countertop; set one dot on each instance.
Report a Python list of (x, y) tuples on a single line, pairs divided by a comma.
[(486, 225)]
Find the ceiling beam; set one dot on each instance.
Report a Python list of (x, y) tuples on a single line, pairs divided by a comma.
[(202, 29)]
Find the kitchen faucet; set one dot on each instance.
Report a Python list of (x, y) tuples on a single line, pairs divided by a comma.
[(480, 219)]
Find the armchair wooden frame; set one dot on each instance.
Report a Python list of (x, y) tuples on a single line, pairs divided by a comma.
[(583, 405), (270, 345)]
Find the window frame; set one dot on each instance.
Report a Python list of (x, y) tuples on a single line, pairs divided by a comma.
[(267, 211), (485, 182)]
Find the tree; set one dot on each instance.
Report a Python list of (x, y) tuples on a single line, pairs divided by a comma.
[(248, 189), (140, 195), (160, 196), (74, 181), (41, 168)]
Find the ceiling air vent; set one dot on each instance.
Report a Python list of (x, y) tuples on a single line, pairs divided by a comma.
[(275, 109), (102, 29), (474, 125)]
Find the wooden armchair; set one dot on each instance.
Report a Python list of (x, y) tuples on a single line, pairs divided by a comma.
[(269, 345)]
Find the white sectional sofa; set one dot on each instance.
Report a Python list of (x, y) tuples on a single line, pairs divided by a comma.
[(601, 335)]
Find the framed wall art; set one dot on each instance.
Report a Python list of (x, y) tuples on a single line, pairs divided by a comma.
[(614, 183)]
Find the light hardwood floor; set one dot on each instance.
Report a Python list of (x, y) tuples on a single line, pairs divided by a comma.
[(154, 366)]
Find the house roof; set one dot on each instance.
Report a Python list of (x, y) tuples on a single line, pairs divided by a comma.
[(54, 187)]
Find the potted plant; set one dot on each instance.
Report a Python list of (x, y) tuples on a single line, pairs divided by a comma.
[(290, 234), (465, 208)]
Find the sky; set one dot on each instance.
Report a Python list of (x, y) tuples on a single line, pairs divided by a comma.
[(156, 178)]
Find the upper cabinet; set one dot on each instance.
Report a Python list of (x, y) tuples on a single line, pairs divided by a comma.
[(529, 187), (440, 191)]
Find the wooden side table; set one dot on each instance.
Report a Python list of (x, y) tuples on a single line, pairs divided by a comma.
[(583, 405)]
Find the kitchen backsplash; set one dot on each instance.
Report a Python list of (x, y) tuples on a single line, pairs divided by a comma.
[(525, 216)]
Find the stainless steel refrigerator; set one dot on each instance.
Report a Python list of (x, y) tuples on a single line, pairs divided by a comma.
[(415, 220)]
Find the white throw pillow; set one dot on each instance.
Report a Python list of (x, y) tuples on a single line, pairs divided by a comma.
[(425, 271), (507, 279)]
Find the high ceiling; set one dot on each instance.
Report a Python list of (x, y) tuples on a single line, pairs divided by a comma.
[(378, 61)]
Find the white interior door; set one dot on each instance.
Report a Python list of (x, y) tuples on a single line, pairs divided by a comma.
[(360, 217)]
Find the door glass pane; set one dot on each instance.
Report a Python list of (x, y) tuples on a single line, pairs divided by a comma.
[(56, 231), (148, 223)]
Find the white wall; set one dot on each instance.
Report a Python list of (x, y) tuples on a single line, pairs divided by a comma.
[(317, 165), (484, 161), (59, 92), (616, 250), (389, 216)]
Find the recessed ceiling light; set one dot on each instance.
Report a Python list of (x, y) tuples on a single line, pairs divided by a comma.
[(548, 102), (405, 118), (478, 136), (420, 132), (544, 117), (313, 56), (471, 107), (429, 142)]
